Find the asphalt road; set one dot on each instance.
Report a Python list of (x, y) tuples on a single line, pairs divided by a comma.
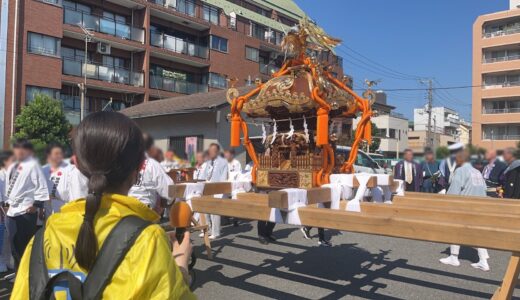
[(358, 266)]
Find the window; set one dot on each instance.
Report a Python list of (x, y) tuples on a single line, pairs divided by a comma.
[(252, 54), (217, 81), (115, 62), (43, 44), (178, 145), (184, 6), (218, 43), (76, 6), (32, 91), (73, 54), (391, 133), (210, 14)]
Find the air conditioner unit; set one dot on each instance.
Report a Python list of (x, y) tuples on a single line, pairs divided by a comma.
[(103, 48)]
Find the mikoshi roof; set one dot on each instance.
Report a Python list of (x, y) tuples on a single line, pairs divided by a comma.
[(181, 104)]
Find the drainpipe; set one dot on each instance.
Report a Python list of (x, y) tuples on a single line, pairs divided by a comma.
[(3, 62), (15, 42)]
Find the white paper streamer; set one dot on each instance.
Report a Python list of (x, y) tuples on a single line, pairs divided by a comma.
[(275, 131), (291, 130), (264, 134), (306, 129)]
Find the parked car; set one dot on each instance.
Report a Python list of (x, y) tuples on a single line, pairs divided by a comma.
[(364, 163)]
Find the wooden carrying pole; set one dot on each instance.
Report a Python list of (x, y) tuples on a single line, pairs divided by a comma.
[(478, 222)]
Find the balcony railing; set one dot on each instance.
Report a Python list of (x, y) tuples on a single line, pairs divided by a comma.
[(177, 86), (268, 69), (104, 73), (500, 110), (103, 25), (501, 85), (501, 137), (501, 32), (500, 59), (186, 7), (177, 45)]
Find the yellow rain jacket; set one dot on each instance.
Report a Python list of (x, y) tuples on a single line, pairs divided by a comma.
[(148, 271)]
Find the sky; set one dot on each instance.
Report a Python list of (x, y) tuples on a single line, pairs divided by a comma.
[(399, 41)]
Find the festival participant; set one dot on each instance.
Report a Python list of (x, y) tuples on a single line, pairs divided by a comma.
[(25, 192), (431, 173), (409, 171), (200, 165), (152, 182), (492, 172), (466, 181), (511, 177), (322, 241), (448, 165), (216, 171), (56, 172), (234, 166), (6, 159), (77, 183), (147, 270), (171, 161)]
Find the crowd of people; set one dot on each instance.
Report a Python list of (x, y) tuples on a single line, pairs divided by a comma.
[(456, 175)]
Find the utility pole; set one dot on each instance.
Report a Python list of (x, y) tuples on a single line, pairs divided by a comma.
[(83, 85), (429, 135)]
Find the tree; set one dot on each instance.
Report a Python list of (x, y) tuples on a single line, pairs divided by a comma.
[(43, 121), (376, 139), (442, 152)]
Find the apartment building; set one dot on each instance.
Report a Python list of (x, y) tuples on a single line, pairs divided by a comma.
[(444, 120), (133, 51), (496, 79), (392, 127)]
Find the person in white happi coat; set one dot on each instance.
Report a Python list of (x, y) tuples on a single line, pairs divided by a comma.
[(25, 191), (56, 172), (216, 171), (6, 159), (466, 181), (151, 187), (200, 166), (234, 166), (77, 183)]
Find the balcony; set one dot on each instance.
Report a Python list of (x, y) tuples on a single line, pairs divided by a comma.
[(501, 59), (103, 73), (177, 45), (500, 110), (103, 25), (501, 85), (185, 7), (500, 137), (503, 32), (176, 86)]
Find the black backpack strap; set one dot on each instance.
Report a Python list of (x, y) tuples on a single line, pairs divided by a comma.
[(38, 274), (114, 249)]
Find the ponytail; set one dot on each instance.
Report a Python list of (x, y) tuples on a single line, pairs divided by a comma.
[(86, 244)]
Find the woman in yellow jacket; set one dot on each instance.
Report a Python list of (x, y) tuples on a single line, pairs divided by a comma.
[(109, 151)]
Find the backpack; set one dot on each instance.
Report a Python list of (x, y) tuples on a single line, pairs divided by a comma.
[(114, 249)]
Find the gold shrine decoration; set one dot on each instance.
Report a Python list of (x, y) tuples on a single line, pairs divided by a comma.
[(325, 91)]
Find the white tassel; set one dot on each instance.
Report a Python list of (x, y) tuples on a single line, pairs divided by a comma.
[(275, 131), (264, 133), (291, 130), (306, 130)]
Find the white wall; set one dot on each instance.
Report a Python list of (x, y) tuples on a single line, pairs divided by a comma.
[(213, 129), (390, 122), (514, 4), (442, 119)]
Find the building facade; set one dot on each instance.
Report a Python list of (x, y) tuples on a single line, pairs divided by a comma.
[(133, 51), (392, 127), (496, 79), (444, 120)]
